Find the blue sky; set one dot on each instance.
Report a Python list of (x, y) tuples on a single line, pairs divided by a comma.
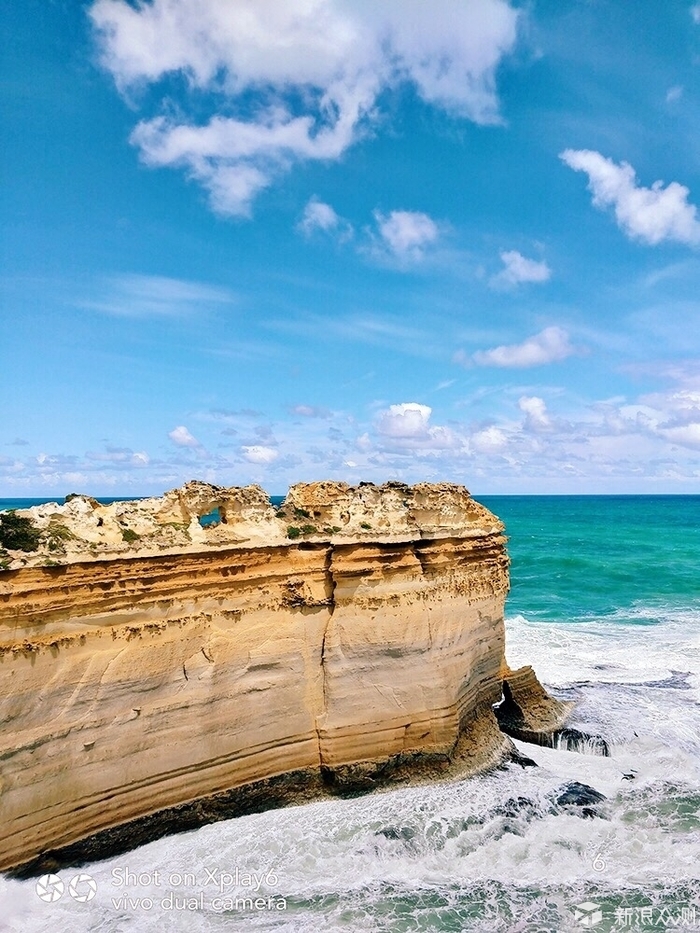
[(264, 242)]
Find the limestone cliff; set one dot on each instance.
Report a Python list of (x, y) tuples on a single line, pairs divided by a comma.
[(157, 673)]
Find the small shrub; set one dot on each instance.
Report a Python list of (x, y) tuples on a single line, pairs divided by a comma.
[(79, 495), (365, 525), (280, 513), (56, 536), (60, 531), (336, 529), (309, 529), (293, 532), (18, 533), (4, 560), (129, 535), (301, 513)]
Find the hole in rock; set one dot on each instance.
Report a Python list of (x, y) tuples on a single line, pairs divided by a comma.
[(215, 517)]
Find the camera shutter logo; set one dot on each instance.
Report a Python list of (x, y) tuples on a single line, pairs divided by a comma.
[(82, 888), (588, 914), (49, 888)]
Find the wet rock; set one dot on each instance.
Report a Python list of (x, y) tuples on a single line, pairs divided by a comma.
[(518, 759), (528, 713), (517, 806), (574, 740), (581, 796), (526, 709), (404, 833)]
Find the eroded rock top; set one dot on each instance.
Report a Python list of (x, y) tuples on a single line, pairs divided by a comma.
[(199, 515)]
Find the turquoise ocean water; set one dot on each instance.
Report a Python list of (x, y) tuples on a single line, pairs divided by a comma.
[(605, 604)]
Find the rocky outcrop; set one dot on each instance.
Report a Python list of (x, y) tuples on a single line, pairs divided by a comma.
[(158, 672), (527, 712)]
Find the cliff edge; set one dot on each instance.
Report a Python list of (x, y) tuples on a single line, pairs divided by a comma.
[(175, 660)]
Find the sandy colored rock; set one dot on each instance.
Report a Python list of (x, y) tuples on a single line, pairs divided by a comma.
[(188, 671)]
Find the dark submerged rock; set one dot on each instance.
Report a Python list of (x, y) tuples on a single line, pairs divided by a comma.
[(583, 796), (517, 806), (517, 759), (405, 833)]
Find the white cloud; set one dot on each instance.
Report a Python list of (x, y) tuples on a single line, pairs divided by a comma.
[(518, 269), (651, 215), (409, 419), (182, 437), (134, 295), (674, 93), (549, 346), (319, 65), (406, 428), (674, 416), (407, 233), (258, 454), (310, 411), (695, 13), (319, 216), (535, 410), (121, 455), (641, 443), (687, 435), (489, 440), (669, 416)]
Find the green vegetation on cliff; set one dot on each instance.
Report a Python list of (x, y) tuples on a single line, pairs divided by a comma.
[(18, 533)]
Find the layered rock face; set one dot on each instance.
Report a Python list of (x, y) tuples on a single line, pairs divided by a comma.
[(157, 673)]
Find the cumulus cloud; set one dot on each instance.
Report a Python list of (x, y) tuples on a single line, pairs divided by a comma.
[(650, 442), (674, 416), (318, 67), (549, 346), (687, 435), (258, 454), (518, 269), (406, 427), (318, 216), (651, 215), (182, 437), (409, 419), (489, 440), (536, 416), (406, 234)]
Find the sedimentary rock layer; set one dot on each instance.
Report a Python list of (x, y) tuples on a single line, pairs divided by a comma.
[(261, 650)]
